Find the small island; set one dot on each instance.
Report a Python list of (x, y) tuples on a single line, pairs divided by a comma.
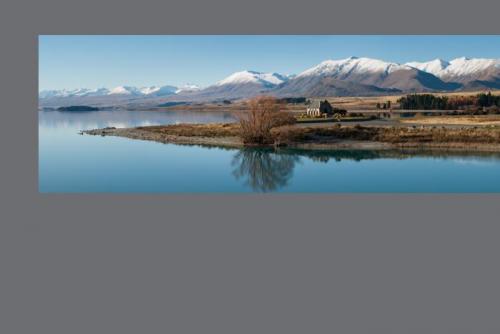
[(78, 108)]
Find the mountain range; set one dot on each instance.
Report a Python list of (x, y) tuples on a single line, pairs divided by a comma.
[(345, 77)]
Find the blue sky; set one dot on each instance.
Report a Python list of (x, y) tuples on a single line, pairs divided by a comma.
[(108, 61)]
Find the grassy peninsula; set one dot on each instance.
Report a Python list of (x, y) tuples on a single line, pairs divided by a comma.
[(266, 124), (331, 137)]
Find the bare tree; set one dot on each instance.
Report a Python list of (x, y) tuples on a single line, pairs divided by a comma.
[(264, 113)]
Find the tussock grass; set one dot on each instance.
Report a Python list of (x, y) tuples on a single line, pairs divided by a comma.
[(394, 135), (291, 134), (195, 130)]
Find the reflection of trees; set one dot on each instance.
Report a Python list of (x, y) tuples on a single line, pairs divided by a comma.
[(326, 155), (264, 170), (268, 170)]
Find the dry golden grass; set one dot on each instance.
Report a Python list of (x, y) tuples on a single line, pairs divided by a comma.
[(349, 103), (294, 134), (369, 102), (455, 120), (195, 130), (228, 135), (394, 135)]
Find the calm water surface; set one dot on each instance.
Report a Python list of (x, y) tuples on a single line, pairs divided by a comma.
[(69, 162)]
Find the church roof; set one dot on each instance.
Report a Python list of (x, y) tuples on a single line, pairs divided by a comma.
[(315, 104)]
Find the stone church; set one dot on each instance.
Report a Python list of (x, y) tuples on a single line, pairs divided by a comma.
[(319, 108)]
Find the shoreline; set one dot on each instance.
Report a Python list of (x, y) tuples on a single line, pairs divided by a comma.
[(225, 135)]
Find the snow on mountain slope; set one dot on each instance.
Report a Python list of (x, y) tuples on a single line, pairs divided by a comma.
[(353, 75), (45, 94), (242, 84), (73, 92), (97, 92), (461, 68), (245, 77), (149, 90), (457, 68), (435, 66), (274, 78), (120, 90), (160, 91), (187, 88), (365, 75), (125, 90), (465, 66), (352, 65)]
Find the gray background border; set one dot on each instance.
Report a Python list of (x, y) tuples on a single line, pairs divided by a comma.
[(234, 263)]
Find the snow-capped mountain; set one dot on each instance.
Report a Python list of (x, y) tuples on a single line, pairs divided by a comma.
[(103, 96), (237, 85), (159, 91), (435, 66), (120, 90), (361, 76), (245, 77), (74, 92), (143, 91), (457, 70), (187, 88), (351, 66), (470, 72), (350, 76), (459, 67), (125, 90), (149, 90)]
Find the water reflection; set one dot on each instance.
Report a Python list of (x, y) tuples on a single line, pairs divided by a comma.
[(127, 118), (267, 170), (67, 162), (264, 170), (325, 156)]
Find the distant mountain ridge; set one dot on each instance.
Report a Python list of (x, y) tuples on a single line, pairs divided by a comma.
[(365, 76), (120, 90), (457, 68), (471, 73), (351, 76)]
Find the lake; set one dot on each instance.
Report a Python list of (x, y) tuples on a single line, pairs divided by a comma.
[(69, 162)]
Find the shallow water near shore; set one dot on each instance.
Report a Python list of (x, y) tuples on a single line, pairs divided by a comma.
[(69, 162)]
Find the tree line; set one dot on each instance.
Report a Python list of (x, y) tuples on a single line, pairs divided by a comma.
[(430, 101), (386, 105)]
